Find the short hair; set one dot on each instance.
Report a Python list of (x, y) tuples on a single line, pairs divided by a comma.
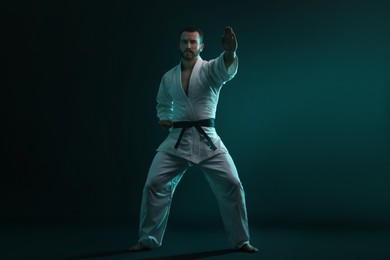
[(192, 29)]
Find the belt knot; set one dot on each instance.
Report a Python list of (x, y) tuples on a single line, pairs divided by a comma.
[(198, 125)]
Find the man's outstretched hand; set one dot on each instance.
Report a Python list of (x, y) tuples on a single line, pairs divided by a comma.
[(229, 40), (229, 44)]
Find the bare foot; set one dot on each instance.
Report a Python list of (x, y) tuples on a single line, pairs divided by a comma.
[(249, 249), (138, 247)]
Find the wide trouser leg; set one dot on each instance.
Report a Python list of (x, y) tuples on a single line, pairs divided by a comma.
[(164, 174), (221, 173)]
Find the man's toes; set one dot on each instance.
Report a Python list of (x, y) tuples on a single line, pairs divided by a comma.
[(249, 248), (138, 247)]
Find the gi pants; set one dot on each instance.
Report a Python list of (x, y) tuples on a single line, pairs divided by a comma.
[(164, 175)]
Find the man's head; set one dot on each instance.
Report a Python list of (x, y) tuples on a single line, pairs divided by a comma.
[(191, 43)]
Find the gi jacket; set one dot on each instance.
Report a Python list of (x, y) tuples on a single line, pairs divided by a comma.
[(206, 81)]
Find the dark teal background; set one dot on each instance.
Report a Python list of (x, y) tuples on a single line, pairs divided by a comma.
[(306, 119)]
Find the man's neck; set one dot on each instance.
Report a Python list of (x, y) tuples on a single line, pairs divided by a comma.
[(188, 64)]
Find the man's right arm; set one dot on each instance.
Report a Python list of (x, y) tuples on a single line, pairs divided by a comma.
[(164, 105)]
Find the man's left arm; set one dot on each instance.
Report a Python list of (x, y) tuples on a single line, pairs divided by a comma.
[(224, 67), (229, 45)]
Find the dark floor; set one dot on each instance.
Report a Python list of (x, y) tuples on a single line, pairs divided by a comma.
[(112, 241)]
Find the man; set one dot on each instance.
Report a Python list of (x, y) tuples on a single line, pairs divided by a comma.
[(186, 104)]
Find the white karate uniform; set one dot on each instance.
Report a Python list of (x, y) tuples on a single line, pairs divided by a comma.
[(169, 164)]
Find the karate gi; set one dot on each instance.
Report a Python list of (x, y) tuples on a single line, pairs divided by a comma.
[(169, 164)]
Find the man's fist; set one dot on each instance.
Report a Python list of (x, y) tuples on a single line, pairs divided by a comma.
[(165, 124)]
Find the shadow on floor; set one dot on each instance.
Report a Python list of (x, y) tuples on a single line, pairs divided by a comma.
[(99, 254), (180, 256), (196, 255)]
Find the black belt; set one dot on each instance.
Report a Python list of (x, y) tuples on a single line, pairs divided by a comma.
[(198, 125)]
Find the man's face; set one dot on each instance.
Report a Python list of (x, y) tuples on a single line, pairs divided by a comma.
[(190, 45)]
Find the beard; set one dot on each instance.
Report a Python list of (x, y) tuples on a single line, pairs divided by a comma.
[(189, 55)]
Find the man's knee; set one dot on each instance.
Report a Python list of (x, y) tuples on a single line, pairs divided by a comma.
[(236, 183), (155, 185), (151, 184), (233, 183)]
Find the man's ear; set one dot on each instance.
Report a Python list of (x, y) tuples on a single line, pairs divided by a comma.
[(201, 47)]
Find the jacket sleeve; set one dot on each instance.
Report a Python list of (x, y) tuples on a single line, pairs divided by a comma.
[(164, 102), (218, 73)]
